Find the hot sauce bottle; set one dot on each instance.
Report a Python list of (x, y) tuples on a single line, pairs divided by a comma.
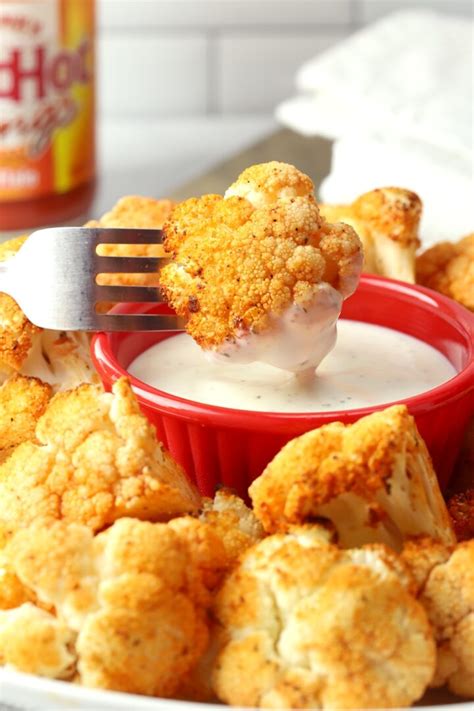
[(47, 111)]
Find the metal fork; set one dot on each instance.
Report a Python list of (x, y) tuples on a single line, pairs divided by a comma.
[(53, 278)]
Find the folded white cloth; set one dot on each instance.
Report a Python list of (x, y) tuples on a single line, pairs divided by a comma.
[(399, 94), (443, 181)]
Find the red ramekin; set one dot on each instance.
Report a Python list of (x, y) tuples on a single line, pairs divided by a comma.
[(218, 445)]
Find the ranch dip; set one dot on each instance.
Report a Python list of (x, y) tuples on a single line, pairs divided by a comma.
[(370, 365)]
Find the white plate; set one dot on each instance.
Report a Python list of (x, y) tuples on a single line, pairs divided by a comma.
[(34, 693)]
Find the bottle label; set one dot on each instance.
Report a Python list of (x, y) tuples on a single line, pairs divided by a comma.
[(46, 97)]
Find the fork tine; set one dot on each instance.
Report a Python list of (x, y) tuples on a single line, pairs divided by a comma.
[(123, 235), (138, 322), (138, 294), (127, 265)]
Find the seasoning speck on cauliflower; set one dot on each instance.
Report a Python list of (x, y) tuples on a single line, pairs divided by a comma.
[(95, 459), (373, 480), (307, 625), (260, 269)]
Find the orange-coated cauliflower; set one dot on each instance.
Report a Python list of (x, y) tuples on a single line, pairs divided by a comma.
[(234, 523), (22, 402), (133, 600), (373, 480), (34, 641), (97, 459), (308, 625), (387, 221), (448, 267), (260, 269), (445, 581)]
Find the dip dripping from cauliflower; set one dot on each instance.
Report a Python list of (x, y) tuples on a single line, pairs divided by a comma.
[(258, 274)]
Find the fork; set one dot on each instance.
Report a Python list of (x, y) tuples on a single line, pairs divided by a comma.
[(54, 280)]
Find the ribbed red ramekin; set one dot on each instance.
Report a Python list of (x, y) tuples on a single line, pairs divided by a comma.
[(218, 445)]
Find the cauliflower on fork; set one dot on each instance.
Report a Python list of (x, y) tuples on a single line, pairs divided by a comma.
[(259, 274)]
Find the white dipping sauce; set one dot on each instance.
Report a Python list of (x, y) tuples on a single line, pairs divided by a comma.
[(370, 365)]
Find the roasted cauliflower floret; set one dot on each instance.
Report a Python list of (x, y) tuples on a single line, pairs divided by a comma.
[(97, 459), (134, 596), (445, 579), (461, 510), (387, 222), (236, 525), (22, 402), (310, 626), (61, 359), (259, 269), (373, 480), (448, 267), (34, 641)]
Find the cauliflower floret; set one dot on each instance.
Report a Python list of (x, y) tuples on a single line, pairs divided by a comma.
[(235, 524), (374, 480), (97, 460), (12, 591), (448, 267), (310, 626), (461, 510), (267, 183), (135, 596), (253, 274), (445, 579), (387, 222), (34, 641), (22, 402), (61, 359)]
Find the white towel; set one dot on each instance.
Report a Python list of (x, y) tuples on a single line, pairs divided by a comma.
[(443, 181), (399, 94)]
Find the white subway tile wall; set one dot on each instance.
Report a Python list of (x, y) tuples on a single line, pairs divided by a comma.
[(172, 58)]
